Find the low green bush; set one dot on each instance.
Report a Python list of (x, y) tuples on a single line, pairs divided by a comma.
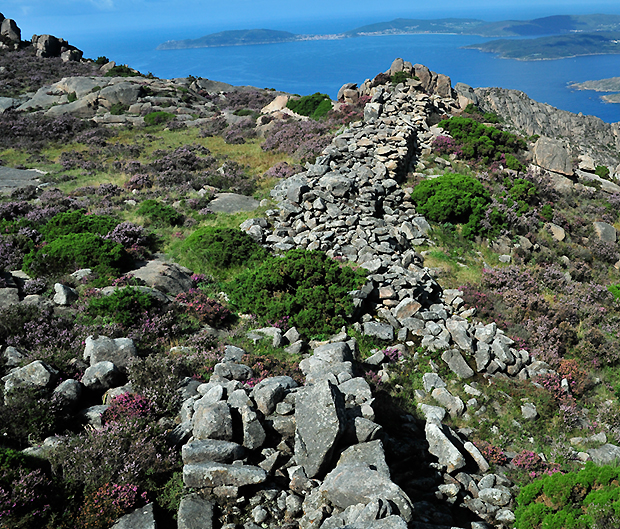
[(77, 222), (122, 71), (602, 171), (453, 198), (307, 286), (118, 109), (77, 250), (160, 214), (588, 498), (71, 97), (480, 141), (314, 106), (124, 305), (158, 118), (101, 60), (219, 250)]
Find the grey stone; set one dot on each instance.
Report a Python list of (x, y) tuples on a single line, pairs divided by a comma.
[(238, 399), (486, 333), (233, 371), (12, 357), (353, 483), (195, 512), (124, 93), (495, 496), (142, 518), (605, 232), (452, 403), (335, 184), (356, 391), (253, 432), (168, 278), (220, 474), (432, 380), (334, 352), (268, 392), (528, 411), (36, 374), (233, 203), (213, 422), (85, 107), (432, 413), (101, 376), (441, 447), (458, 331), (365, 430), (292, 335), (10, 30), (93, 416), (69, 392), (505, 516), (406, 308), (552, 155), (482, 356), (319, 416), (477, 456), (457, 364), (608, 454), (8, 297), (382, 331), (120, 351), (64, 295), (214, 450), (371, 454), (233, 354), (274, 333)]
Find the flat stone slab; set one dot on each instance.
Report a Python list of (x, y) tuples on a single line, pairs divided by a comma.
[(232, 203), (11, 179)]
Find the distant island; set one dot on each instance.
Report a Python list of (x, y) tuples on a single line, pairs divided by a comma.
[(554, 47), (585, 34), (611, 84)]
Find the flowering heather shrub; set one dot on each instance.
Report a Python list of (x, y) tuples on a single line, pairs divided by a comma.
[(251, 99), (108, 190), (303, 140), (24, 498), (578, 378), (128, 406), (35, 286), (107, 504), (393, 354), (491, 453), (282, 170), (128, 234), (203, 308), (265, 366), (157, 377), (183, 158), (605, 251), (95, 137), (534, 465), (230, 177), (238, 132), (28, 192), (14, 210), (139, 181), (32, 132), (11, 254), (40, 215), (200, 279), (213, 127), (446, 145), (125, 452)]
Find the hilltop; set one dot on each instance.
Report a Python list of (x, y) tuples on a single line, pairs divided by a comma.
[(226, 306)]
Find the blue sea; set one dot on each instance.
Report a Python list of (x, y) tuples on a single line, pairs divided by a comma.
[(324, 66)]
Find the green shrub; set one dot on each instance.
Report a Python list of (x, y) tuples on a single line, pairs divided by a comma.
[(157, 118), (243, 112), (77, 250), (572, 500), (480, 141), (513, 163), (546, 212), (160, 214), (118, 109), (307, 286), (602, 171), (122, 71), (400, 77), (453, 198), (71, 97), (124, 305), (101, 60), (218, 250), (77, 222), (615, 290), (314, 106)]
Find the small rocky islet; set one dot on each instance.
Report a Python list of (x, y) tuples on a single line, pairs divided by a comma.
[(338, 439)]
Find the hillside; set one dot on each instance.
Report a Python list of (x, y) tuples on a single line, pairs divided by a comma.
[(225, 306), (231, 38), (555, 47)]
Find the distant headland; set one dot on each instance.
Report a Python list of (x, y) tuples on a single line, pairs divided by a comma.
[(555, 37)]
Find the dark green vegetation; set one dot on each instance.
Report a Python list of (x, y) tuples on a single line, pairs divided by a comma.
[(586, 499), (453, 198), (315, 106), (480, 141), (555, 47), (306, 286)]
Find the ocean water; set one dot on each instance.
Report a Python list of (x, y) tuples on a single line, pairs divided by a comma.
[(325, 65)]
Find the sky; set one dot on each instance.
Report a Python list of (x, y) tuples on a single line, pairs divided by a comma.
[(192, 18)]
